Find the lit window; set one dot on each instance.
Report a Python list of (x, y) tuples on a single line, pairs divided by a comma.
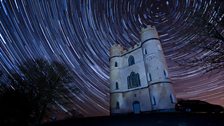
[(131, 60)]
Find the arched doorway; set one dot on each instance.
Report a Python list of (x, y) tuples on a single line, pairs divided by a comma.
[(136, 107)]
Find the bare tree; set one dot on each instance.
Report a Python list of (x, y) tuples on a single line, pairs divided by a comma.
[(207, 45), (41, 83)]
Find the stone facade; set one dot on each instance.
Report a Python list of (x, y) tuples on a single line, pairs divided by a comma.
[(139, 79)]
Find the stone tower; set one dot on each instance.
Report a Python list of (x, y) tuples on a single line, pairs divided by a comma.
[(139, 80)]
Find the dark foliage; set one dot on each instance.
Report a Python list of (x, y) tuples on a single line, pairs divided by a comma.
[(29, 94)]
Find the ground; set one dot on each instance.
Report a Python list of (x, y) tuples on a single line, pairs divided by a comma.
[(150, 119)]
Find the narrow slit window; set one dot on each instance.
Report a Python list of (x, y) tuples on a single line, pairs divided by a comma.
[(117, 87), (117, 105), (145, 51), (149, 77), (171, 98), (153, 100), (165, 74)]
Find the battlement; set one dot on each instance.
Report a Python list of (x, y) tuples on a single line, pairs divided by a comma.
[(116, 46), (116, 50), (146, 33), (136, 46), (148, 27), (121, 50), (149, 32)]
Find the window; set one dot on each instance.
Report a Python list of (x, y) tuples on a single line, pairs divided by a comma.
[(115, 64), (117, 105), (145, 51), (171, 98), (165, 73), (131, 60), (153, 100), (117, 86), (159, 47), (149, 77), (133, 80)]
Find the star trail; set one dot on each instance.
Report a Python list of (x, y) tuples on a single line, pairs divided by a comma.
[(79, 33)]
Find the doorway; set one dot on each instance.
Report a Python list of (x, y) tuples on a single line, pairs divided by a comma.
[(136, 107)]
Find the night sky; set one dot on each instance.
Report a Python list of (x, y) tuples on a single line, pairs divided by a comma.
[(79, 33)]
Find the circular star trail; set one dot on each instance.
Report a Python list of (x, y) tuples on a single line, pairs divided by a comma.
[(79, 33)]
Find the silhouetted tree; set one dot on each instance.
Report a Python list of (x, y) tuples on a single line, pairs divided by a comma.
[(40, 83), (208, 42), (1, 73)]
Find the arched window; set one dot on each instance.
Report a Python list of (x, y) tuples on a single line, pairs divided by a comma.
[(115, 64), (117, 105), (117, 86), (133, 80), (131, 60)]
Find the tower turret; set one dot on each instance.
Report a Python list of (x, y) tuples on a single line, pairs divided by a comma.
[(161, 92), (115, 80)]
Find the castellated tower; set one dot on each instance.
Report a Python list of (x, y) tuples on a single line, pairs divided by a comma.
[(139, 79)]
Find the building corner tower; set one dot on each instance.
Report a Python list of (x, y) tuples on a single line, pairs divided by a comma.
[(115, 61), (160, 88)]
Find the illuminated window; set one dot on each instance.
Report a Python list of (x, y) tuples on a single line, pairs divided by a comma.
[(115, 64), (131, 60), (117, 86), (133, 80)]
